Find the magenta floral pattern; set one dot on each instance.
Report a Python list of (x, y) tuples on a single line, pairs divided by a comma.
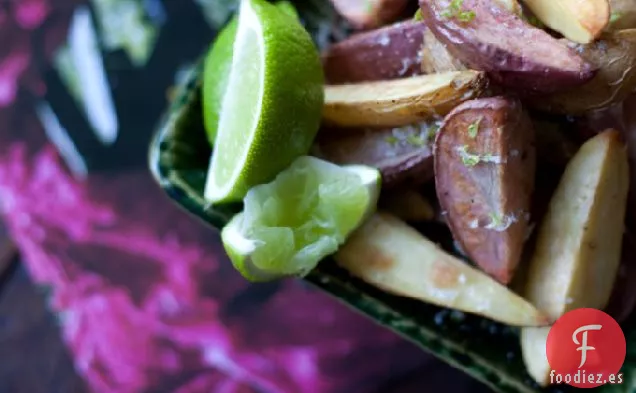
[(144, 296)]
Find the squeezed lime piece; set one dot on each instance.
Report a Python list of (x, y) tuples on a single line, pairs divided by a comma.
[(289, 225)]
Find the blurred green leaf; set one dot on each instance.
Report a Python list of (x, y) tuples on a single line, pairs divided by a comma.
[(217, 12), (123, 24)]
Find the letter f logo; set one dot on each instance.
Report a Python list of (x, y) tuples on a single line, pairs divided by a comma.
[(583, 345)]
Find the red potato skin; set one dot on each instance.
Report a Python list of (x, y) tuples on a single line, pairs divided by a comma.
[(471, 194), (369, 14), (388, 53), (513, 52), (399, 163)]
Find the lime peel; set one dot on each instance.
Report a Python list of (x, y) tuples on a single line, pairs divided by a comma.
[(305, 214), (218, 64), (271, 107)]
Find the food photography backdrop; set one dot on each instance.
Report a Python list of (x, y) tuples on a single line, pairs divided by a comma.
[(115, 289)]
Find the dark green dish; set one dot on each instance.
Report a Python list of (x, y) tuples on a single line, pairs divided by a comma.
[(488, 351)]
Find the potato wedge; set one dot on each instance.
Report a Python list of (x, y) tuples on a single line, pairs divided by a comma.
[(623, 15), (366, 14), (579, 240), (487, 37), (408, 205), (484, 173), (400, 102), (512, 6), (389, 254), (534, 354), (402, 155), (615, 57), (388, 53), (436, 58), (580, 21), (578, 249)]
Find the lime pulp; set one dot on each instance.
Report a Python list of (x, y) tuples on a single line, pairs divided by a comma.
[(305, 214)]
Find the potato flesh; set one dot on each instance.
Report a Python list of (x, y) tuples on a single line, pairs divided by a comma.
[(578, 249), (533, 352), (389, 254), (579, 243), (578, 20), (436, 58), (399, 102), (511, 5)]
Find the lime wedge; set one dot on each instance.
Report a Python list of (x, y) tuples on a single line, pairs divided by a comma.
[(305, 214), (218, 64), (271, 107)]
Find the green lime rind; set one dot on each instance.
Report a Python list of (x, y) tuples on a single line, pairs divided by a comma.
[(287, 98), (304, 215), (218, 64), (288, 8)]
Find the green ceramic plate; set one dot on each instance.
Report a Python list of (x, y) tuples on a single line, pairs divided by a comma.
[(488, 351)]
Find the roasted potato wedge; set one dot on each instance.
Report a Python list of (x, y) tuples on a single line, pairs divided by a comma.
[(623, 15), (436, 58), (578, 249), (400, 102), (391, 255), (484, 172), (580, 21), (512, 6), (402, 155), (408, 205), (388, 53), (486, 36), (534, 354), (579, 240), (366, 14), (615, 57)]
